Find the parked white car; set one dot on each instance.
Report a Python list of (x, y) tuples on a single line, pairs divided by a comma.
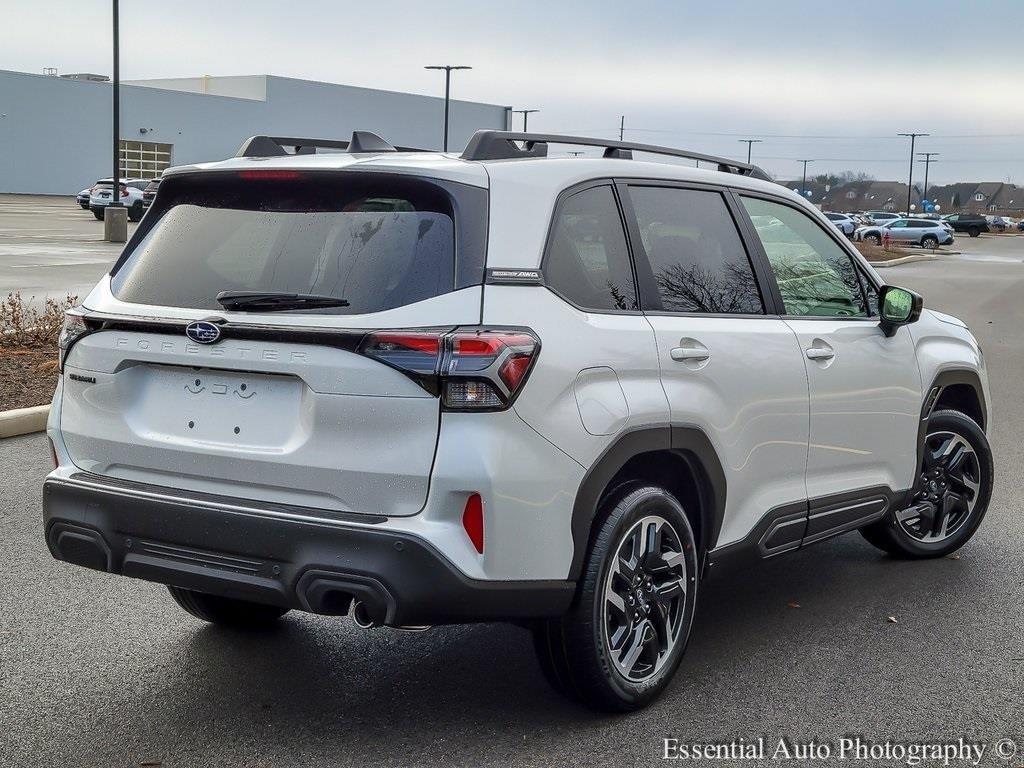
[(131, 197), (842, 222), (924, 232), (421, 388)]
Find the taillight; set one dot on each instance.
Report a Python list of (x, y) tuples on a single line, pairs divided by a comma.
[(74, 327), (270, 174), (474, 370), (485, 369), (124, 191)]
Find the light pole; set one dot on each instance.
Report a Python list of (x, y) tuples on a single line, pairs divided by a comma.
[(749, 143), (927, 162), (910, 181), (525, 113), (115, 216), (803, 181), (447, 92), (622, 126)]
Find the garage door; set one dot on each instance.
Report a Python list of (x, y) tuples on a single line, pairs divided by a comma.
[(144, 159)]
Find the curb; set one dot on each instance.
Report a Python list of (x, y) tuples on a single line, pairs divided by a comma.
[(904, 260), (23, 421)]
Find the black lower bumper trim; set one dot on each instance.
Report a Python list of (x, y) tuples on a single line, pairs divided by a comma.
[(311, 566)]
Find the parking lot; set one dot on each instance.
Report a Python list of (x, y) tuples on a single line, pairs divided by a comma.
[(101, 670)]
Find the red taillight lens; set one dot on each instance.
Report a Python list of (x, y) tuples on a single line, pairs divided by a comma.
[(473, 521), (124, 191), (472, 370), (53, 454), (412, 351), (270, 174), (486, 368)]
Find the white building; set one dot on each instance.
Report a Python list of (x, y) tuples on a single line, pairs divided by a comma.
[(56, 138)]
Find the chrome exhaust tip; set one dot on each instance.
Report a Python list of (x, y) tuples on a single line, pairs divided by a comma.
[(361, 615)]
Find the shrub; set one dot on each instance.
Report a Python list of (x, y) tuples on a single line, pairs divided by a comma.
[(26, 325)]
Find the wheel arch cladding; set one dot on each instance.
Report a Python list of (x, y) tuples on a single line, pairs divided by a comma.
[(961, 391), (680, 458)]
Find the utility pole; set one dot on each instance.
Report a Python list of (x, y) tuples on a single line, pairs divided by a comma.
[(910, 181), (447, 92), (803, 181), (927, 162), (622, 126), (749, 143), (525, 113)]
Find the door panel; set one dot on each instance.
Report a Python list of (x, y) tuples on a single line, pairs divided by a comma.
[(726, 366), (749, 395), (865, 388), (865, 405)]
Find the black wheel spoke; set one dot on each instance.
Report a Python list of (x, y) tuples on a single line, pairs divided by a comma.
[(947, 490), (645, 597)]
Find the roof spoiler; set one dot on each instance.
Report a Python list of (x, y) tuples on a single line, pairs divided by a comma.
[(501, 145), (276, 146)]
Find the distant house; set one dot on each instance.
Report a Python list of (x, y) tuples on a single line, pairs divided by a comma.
[(984, 197)]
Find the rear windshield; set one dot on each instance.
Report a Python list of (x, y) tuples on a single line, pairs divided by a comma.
[(376, 245)]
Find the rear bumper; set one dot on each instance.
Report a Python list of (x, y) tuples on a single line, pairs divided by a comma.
[(271, 556)]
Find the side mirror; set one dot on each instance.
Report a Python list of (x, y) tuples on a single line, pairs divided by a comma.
[(898, 306)]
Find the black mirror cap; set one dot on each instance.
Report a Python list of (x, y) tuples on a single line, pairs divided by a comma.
[(891, 324)]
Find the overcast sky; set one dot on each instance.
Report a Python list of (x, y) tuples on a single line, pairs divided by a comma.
[(817, 79)]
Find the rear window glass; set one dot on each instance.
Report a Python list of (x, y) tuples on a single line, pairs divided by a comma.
[(375, 247)]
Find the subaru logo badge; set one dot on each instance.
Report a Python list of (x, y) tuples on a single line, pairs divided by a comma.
[(202, 332)]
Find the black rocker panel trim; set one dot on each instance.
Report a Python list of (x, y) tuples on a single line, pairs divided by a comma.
[(790, 527), (689, 442), (843, 512)]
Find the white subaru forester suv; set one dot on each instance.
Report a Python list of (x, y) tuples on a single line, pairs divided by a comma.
[(421, 388)]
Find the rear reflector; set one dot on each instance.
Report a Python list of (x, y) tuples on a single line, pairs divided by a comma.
[(473, 521)]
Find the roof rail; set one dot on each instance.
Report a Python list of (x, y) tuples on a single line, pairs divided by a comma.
[(274, 146), (499, 145)]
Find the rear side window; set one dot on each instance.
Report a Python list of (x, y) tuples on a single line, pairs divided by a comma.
[(695, 251), (587, 261), (379, 244)]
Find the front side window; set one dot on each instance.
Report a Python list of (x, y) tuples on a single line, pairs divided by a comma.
[(816, 277), (695, 251), (587, 260)]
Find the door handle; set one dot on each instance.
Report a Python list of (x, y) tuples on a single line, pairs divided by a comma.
[(689, 353), (820, 353)]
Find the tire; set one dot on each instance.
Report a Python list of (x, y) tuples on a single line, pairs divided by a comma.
[(136, 212), (226, 611), (973, 231), (98, 213), (873, 239), (584, 654), (930, 241), (903, 538)]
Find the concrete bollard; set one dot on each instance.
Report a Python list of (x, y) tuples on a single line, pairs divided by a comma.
[(115, 224)]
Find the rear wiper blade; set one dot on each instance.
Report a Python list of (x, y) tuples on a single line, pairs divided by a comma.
[(269, 301)]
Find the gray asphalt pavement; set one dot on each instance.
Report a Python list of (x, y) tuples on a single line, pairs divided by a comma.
[(98, 670), (50, 247)]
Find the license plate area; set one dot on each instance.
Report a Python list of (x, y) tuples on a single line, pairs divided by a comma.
[(211, 406)]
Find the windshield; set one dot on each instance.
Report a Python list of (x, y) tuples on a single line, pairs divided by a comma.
[(375, 248)]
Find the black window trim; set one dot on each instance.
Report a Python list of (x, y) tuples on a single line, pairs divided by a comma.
[(560, 201), (649, 296), (854, 255)]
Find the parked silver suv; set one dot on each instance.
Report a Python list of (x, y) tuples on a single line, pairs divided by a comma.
[(927, 233), (422, 388)]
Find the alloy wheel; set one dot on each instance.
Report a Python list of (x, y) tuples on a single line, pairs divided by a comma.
[(948, 489), (644, 604)]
